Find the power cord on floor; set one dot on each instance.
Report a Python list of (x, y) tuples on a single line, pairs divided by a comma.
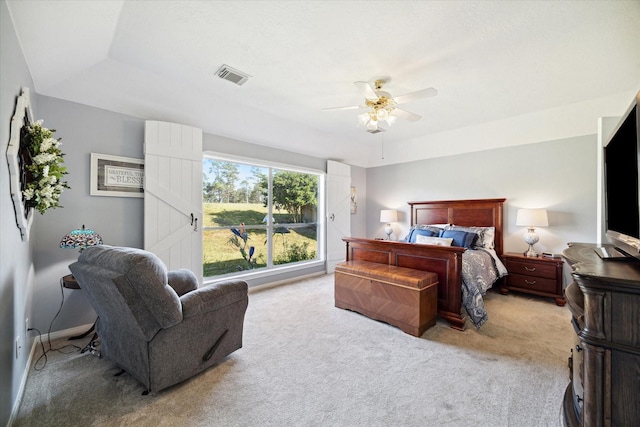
[(70, 348)]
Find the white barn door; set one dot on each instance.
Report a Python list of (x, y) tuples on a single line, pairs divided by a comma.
[(338, 212), (173, 194)]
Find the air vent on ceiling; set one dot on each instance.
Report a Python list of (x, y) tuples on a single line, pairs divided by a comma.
[(376, 130), (231, 74)]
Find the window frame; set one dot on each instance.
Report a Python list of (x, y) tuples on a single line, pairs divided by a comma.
[(272, 269)]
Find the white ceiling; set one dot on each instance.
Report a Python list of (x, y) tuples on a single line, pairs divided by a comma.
[(507, 73)]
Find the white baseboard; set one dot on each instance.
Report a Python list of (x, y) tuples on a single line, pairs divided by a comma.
[(77, 330), (284, 282)]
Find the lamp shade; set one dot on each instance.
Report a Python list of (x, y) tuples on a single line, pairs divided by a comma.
[(81, 238), (532, 218), (388, 215)]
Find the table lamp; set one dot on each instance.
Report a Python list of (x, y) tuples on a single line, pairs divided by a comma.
[(80, 238), (388, 216), (532, 218)]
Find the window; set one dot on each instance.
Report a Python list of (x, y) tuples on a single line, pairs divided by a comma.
[(257, 217)]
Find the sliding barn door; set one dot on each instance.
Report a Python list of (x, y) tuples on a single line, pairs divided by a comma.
[(173, 194), (338, 212)]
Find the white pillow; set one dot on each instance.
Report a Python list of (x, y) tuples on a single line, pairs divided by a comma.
[(430, 240), (489, 237)]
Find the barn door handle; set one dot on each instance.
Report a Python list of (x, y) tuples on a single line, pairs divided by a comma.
[(194, 222), (332, 217)]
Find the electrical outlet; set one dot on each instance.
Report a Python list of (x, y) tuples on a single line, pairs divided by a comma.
[(18, 347)]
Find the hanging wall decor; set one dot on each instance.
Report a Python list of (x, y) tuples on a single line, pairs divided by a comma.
[(18, 159), (354, 200), (116, 176), (35, 166)]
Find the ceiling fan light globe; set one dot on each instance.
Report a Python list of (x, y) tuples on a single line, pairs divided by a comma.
[(382, 114), (372, 125), (363, 119), (391, 119)]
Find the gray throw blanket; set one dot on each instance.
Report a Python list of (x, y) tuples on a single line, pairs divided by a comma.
[(479, 273)]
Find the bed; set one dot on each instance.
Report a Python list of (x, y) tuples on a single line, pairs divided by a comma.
[(461, 271)]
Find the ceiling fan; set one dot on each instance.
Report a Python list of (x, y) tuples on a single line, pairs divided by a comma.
[(382, 106)]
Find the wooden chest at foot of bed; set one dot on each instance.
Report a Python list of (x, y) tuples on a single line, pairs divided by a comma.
[(402, 297)]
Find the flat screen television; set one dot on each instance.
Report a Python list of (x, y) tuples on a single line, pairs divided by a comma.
[(622, 186)]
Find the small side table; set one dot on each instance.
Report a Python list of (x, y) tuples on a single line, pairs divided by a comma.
[(70, 282), (538, 276)]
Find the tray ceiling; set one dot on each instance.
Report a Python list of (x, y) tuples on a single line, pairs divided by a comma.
[(507, 73)]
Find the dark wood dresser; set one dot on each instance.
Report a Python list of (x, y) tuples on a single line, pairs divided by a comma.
[(604, 366)]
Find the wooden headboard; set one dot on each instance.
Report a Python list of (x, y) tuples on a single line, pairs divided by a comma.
[(479, 212)]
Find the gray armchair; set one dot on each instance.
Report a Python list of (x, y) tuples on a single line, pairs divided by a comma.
[(156, 324)]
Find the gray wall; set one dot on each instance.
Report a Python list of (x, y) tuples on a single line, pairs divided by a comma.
[(557, 175), (359, 219), (16, 265), (119, 220)]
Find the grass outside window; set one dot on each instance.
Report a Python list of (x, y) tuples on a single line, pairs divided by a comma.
[(291, 242)]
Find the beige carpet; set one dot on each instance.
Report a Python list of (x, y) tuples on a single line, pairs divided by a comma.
[(307, 363)]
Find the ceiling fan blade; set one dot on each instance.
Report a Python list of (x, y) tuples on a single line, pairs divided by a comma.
[(424, 93), (405, 115), (366, 89), (351, 107)]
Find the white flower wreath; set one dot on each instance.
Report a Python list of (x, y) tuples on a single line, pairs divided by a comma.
[(45, 172)]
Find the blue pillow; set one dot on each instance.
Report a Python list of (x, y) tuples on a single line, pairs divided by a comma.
[(421, 232), (460, 238)]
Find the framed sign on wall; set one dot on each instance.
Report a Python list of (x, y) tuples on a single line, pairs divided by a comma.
[(116, 176)]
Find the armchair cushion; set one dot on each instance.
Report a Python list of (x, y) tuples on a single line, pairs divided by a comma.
[(212, 297), (182, 281)]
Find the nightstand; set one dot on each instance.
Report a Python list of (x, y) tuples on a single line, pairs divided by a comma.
[(538, 276)]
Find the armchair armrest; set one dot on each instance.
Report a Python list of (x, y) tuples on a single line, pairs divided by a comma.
[(182, 281), (212, 297)]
